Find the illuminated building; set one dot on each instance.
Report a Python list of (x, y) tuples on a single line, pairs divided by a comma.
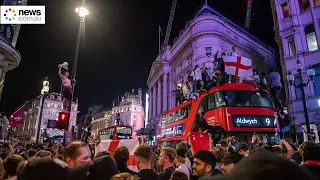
[(100, 121), (51, 109), (131, 111), (197, 44), (298, 36)]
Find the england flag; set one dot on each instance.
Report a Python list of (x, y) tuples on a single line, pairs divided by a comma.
[(111, 145), (238, 66)]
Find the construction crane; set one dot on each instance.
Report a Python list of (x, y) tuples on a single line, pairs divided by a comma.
[(16, 27), (248, 16), (169, 26)]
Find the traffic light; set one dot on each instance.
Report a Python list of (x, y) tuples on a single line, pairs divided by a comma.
[(63, 120)]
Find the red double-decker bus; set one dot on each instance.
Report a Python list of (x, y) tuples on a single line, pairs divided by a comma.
[(234, 109), (115, 132)]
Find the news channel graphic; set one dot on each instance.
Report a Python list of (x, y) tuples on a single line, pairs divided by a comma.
[(22, 15)]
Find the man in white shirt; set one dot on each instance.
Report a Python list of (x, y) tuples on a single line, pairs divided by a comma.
[(234, 53)]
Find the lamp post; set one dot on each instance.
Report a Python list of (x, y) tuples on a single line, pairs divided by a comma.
[(301, 86), (44, 93), (82, 12)]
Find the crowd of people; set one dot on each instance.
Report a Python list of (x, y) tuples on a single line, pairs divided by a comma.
[(201, 79), (228, 159)]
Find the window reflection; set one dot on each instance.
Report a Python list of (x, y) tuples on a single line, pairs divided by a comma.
[(311, 37), (178, 115)]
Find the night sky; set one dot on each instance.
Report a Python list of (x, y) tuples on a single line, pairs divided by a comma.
[(117, 49)]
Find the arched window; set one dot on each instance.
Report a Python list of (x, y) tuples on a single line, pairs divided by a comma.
[(311, 37)]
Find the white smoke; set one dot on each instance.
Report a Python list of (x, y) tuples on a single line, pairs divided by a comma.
[(96, 108)]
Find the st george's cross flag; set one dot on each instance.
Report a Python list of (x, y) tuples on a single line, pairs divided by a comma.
[(111, 145), (238, 66)]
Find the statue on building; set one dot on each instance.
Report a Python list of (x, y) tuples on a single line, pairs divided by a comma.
[(66, 85)]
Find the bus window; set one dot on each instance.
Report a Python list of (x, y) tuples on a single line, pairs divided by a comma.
[(248, 98), (219, 99), (177, 115), (203, 105), (185, 112), (170, 118), (163, 120), (124, 130), (211, 102)]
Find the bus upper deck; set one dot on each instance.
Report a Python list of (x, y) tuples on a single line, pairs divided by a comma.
[(234, 107)]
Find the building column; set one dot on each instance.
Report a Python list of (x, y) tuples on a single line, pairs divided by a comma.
[(150, 108), (165, 93), (298, 43), (285, 45), (154, 101), (170, 90), (159, 98)]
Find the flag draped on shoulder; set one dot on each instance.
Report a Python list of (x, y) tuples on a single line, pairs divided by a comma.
[(238, 66)]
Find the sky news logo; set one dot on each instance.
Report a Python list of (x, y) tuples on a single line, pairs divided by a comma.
[(22, 15)]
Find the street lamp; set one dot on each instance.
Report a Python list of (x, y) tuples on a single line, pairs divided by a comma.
[(301, 86), (44, 93), (82, 12)]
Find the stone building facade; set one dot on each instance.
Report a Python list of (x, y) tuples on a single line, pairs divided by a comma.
[(297, 28), (196, 44), (100, 121), (10, 57), (52, 107), (131, 111)]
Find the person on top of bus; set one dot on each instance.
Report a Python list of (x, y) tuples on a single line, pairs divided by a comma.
[(221, 76), (262, 83), (204, 72), (219, 61), (275, 84), (234, 53), (209, 83), (203, 87), (178, 95)]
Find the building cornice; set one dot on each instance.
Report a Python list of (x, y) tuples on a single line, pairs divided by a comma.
[(11, 53)]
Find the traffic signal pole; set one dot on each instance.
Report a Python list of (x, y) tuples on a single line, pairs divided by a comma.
[(43, 97)]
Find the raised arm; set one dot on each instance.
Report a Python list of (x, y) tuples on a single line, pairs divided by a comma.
[(59, 71)]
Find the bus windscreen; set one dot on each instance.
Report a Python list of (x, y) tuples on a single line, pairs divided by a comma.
[(124, 130), (246, 99)]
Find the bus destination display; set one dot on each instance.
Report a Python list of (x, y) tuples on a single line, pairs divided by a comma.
[(254, 121)]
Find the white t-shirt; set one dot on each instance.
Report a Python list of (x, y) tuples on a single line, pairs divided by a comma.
[(188, 163), (183, 168)]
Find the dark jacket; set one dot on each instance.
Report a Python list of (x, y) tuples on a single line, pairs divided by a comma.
[(122, 167), (147, 174), (314, 170), (166, 173), (220, 62)]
